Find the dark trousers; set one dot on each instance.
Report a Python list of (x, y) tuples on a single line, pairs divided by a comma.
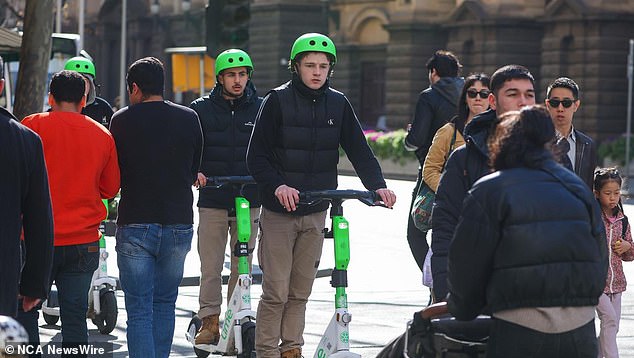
[(510, 340), (73, 267), (417, 239), (29, 321)]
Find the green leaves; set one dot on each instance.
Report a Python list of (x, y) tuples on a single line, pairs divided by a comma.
[(615, 150), (388, 145)]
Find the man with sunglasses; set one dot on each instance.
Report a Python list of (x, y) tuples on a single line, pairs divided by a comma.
[(435, 107), (577, 151)]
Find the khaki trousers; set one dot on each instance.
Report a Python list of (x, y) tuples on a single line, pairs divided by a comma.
[(214, 224), (289, 250)]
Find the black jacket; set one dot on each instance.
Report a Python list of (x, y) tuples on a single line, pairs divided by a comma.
[(296, 139), (100, 111), (227, 127), (527, 238), (585, 158), (26, 205), (435, 107), (159, 145), (465, 165)]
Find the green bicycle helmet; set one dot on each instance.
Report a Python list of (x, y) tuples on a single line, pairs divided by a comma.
[(233, 58), (81, 65), (313, 42)]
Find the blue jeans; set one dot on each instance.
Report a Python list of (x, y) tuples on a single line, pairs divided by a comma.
[(73, 266), (151, 259)]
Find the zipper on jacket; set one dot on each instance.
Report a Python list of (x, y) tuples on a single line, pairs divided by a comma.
[(313, 143), (610, 257), (233, 140)]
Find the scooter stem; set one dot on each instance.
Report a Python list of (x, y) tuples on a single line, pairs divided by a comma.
[(243, 219)]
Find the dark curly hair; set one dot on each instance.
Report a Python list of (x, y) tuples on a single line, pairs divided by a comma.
[(522, 139)]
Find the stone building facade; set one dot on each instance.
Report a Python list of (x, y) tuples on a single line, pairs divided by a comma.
[(383, 46)]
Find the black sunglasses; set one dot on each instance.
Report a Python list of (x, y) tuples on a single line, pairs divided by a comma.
[(566, 102), (473, 93)]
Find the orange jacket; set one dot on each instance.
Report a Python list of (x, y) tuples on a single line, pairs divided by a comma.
[(81, 160)]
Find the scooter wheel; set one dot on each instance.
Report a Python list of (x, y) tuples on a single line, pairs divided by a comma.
[(248, 340), (107, 319), (194, 326), (50, 319), (51, 302)]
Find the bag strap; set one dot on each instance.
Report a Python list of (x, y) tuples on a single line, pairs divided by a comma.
[(624, 227), (451, 147)]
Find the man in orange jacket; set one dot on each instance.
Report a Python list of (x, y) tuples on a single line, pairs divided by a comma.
[(82, 164)]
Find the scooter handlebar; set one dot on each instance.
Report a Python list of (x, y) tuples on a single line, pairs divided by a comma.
[(369, 198), (218, 181)]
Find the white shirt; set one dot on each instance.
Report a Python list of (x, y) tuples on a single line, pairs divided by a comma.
[(572, 140)]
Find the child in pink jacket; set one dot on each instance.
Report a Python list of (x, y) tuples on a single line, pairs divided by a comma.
[(607, 189)]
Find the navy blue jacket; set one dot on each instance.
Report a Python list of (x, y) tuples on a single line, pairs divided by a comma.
[(436, 105), (227, 127), (527, 238), (26, 205), (465, 165)]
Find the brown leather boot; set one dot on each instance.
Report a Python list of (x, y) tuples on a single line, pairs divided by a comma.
[(292, 353), (209, 332)]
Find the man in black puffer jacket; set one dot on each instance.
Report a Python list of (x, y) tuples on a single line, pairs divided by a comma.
[(512, 87), (294, 148), (435, 107), (227, 117)]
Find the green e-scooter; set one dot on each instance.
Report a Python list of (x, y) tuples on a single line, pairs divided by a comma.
[(239, 319), (335, 341)]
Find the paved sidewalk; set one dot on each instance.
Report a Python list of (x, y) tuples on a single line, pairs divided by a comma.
[(384, 285)]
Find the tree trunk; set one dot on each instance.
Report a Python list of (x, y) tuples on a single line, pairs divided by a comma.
[(34, 57)]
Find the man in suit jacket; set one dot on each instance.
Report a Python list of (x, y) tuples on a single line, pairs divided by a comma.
[(578, 152)]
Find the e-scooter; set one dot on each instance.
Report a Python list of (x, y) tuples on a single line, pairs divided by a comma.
[(335, 341), (239, 313), (102, 299)]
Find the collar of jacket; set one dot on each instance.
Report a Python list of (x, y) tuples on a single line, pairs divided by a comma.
[(248, 95), (303, 90), (7, 113), (477, 131)]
